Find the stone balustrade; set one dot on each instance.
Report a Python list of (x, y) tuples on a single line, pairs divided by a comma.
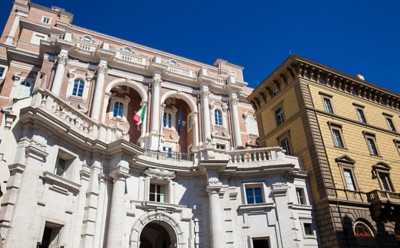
[(77, 120), (86, 46), (132, 58), (181, 71)]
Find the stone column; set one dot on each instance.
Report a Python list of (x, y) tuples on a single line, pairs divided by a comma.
[(155, 116), (279, 191), (58, 78), (117, 211), (235, 119), (99, 90), (216, 228), (155, 103), (206, 114), (195, 130), (107, 96)]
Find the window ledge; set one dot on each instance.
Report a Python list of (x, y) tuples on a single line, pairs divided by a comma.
[(160, 206), (300, 206), (76, 98), (118, 118), (256, 207), (60, 184)]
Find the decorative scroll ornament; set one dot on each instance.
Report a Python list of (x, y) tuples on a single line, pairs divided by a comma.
[(205, 93), (159, 174)]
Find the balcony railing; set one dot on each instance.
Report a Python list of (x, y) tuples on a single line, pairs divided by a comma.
[(173, 156), (132, 58), (256, 155), (44, 99), (380, 196), (181, 71), (86, 46)]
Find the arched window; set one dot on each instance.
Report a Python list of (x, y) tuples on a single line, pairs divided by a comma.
[(86, 38), (118, 109), (127, 50), (218, 117), (79, 84), (167, 121), (362, 230)]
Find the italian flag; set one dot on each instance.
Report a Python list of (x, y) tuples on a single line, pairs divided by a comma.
[(139, 116)]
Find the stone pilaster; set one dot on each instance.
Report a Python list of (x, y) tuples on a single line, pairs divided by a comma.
[(117, 212), (233, 100), (99, 91), (62, 61), (205, 93), (279, 191)]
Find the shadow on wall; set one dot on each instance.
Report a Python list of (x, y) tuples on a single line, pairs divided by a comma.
[(360, 234)]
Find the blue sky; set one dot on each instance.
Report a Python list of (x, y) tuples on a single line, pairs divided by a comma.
[(351, 36)]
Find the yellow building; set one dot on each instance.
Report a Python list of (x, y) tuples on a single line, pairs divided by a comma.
[(346, 131)]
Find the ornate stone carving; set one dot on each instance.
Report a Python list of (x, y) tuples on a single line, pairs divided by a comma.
[(62, 59), (234, 101), (102, 69), (205, 93), (157, 82), (159, 174), (71, 73)]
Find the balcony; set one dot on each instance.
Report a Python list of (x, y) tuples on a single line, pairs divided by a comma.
[(385, 205), (85, 47), (131, 59), (181, 71)]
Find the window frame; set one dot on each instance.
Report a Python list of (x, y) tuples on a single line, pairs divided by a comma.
[(382, 169), (390, 123), (125, 102), (5, 69), (248, 186), (164, 194), (345, 163), (327, 102), (337, 127), (78, 87), (44, 18), (218, 118), (365, 226), (279, 115), (360, 114), (301, 196), (17, 89), (68, 160), (370, 137)]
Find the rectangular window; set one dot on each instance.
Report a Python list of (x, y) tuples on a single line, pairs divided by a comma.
[(308, 230), (361, 116), (348, 177), (285, 144), (157, 192), (61, 167), (328, 105), (386, 184), (2, 72), (168, 150), (254, 194), (46, 20), (220, 146), (260, 243), (301, 198), (51, 235), (390, 124), (337, 137), (372, 146), (279, 116)]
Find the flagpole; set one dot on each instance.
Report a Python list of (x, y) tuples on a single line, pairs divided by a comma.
[(159, 130)]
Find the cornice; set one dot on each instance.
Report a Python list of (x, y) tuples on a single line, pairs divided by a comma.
[(324, 76)]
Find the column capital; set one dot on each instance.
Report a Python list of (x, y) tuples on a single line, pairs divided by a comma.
[(62, 59), (102, 68), (119, 172), (157, 82)]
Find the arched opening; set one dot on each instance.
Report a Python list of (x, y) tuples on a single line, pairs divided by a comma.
[(123, 103), (156, 235), (177, 129), (364, 234)]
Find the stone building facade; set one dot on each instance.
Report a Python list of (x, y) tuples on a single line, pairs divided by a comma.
[(108, 143), (346, 131)]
